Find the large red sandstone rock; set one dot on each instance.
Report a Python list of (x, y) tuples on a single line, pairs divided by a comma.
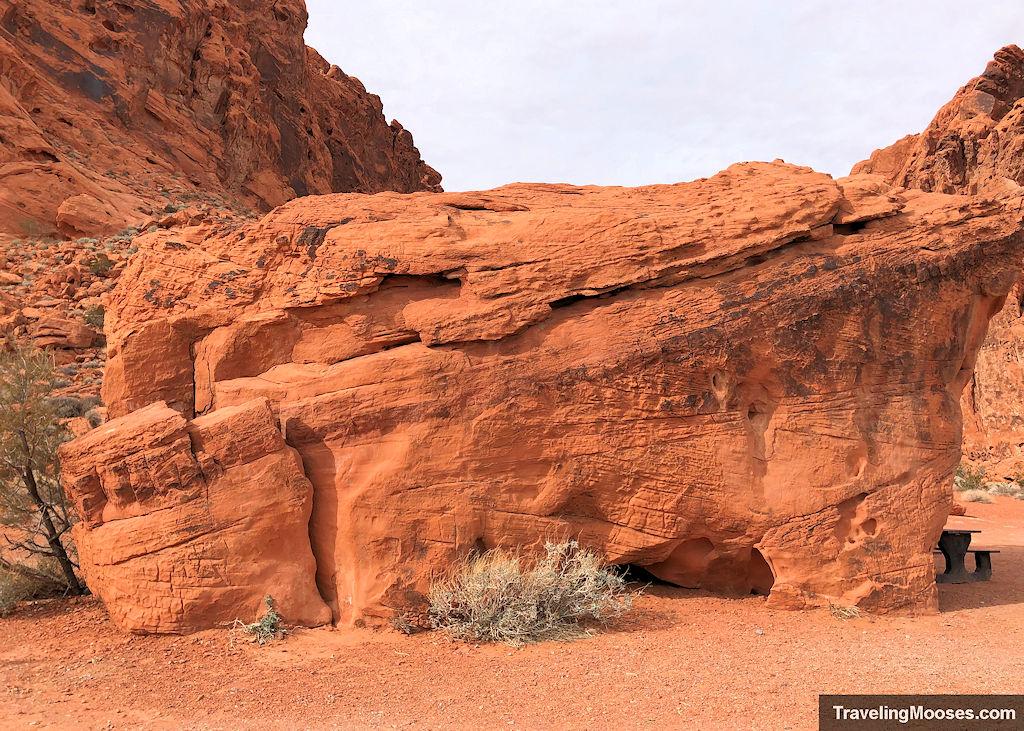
[(187, 525), (745, 383), (103, 104), (975, 144)]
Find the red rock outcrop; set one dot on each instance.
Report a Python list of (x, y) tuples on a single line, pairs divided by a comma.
[(187, 525), (975, 145), (745, 383), (110, 109)]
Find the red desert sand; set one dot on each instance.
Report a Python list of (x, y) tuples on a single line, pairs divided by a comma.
[(680, 659)]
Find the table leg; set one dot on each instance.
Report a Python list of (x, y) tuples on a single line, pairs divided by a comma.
[(983, 566), (954, 549)]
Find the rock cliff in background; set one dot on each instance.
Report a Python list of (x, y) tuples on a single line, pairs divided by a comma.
[(745, 383), (110, 109), (975, 145)]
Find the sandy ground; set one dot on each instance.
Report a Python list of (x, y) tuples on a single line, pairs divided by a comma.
[(681, 659)]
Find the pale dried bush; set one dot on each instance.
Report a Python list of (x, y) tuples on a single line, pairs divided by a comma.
[(1010, 489), (498, 596), (13, 589), (843, 612), (976, 496)]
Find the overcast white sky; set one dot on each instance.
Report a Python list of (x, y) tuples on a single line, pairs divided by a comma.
[(652, 91)]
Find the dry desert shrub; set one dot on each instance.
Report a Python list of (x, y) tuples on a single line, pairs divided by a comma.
[(1010, 489), (840, 612), (976, 496), (13, 589), (268, 628), (21, 582), (498, 596)]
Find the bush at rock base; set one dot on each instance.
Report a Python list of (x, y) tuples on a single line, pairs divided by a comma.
[(498, 596)]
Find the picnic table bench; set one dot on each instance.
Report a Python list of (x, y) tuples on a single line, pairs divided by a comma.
[(954, 546)]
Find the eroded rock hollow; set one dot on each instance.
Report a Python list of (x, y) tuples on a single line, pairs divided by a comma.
[(745, 383)]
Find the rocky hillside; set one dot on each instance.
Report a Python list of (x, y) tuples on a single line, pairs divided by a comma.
[(975, 145), (121, 117), (109, 111)]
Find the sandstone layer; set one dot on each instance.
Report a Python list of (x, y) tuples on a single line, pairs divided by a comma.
[(745, 383), (190, 525), (110, 109), (975, 145)]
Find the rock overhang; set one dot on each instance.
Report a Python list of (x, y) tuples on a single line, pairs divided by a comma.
[(756, 370)]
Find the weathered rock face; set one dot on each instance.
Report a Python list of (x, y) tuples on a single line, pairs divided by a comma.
[(745, 383), (975, 144), (108, 109), (189, 525)]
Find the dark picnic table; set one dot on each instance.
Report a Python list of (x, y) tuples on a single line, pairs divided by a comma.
[(955, 545)]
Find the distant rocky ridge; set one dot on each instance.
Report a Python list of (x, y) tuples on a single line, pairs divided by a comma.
[(111, 110), (120, 117), (975, 146)]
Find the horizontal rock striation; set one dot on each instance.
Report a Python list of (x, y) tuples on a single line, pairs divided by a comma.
[(975, 145), (187, 525), (748, 383)]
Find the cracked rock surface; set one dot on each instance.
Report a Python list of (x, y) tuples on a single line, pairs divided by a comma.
[(748, 383)]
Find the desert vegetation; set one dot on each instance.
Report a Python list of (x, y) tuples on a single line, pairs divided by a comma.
[(500, 596), (268, 628), (37, 553), (973, 486)]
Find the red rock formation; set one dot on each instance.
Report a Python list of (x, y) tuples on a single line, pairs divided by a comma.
[(975, 144), (746, 383), (109, 109), (190, 525)]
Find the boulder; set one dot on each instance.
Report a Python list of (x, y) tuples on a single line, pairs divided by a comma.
[(57, 332), (187, 525), (747, 383)]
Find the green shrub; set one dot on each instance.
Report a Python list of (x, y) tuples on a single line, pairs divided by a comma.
[(100, 265), (94, 316), (32, 501), (269, 627), (93, 417), (69, 407), (499, 597), (968, 478)]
